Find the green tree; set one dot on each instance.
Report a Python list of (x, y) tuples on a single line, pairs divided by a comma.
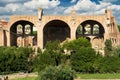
[(83, 59), (109, 64), (52, 55), (75, 45), (13, 59), (43, 60)]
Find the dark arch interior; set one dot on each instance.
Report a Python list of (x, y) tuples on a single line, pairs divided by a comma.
[(56, 30), (88, 38), (14, 34), (81, 30)]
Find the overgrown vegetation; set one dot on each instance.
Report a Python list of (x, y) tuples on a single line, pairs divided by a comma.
[(57, 73), (52, 55), (82, 58), (14, 59), (85, 60)]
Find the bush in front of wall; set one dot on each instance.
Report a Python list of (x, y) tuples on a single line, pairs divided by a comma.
[(14, 59), (57, 73)]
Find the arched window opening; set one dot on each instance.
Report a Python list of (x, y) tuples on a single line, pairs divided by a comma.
[(19, 29), (90, 28), (56, 30), (80, 29), (87, 29), (96, 29), (27, 29), (21, 34)]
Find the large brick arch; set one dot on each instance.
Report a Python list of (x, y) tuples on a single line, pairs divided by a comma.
[(14, 19), (100, 19), (92, 23), (61, 20), (58, 27), (14, 37), (73, 20), (97, 40), (47, 19)]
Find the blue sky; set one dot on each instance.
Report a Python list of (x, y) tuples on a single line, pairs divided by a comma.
[(58, 7)]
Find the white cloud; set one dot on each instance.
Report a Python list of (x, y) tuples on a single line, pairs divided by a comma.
[(82, 5), (58, 10), (72, 1), (87, 6), (102, 5), (46, 4), (52, 7), (29, 7), (12, 7), (115, 7), (54, 3), (9, 8)]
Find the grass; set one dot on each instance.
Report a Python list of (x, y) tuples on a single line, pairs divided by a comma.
[(85, 76), (27, 78), (99, 76)]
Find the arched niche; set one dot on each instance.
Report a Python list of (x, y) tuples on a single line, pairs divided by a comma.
[(90, 28), (55, 30), (22, 31)]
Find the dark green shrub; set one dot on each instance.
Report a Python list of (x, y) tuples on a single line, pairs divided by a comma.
[(44, 60), (13, 59), (50, 73), (65, 73), (83, 59), (57, 73), (76, 44), (52, 55), (97, 63), (110, 64)]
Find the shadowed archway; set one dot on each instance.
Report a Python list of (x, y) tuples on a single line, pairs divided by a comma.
[(93, 31), (90, 28), (22, 34), (56, 30)]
